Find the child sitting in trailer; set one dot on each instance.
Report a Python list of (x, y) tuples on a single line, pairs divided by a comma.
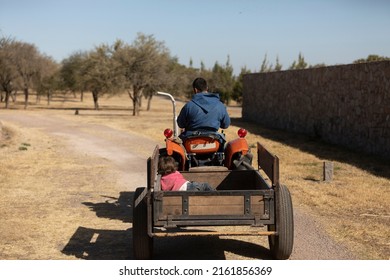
[(173, 180)]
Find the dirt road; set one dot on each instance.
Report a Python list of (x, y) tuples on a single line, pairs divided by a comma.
[(77, 205)]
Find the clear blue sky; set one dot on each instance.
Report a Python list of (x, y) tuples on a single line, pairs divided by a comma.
[(328, 31)]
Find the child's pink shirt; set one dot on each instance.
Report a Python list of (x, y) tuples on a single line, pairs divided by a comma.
[(173, 182)]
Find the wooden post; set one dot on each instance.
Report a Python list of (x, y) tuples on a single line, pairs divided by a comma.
[(328, 171)]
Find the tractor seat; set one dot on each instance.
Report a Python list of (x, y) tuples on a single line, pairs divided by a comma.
[(202, 145)]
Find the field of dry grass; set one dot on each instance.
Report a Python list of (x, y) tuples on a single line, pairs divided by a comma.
[(353, 207)]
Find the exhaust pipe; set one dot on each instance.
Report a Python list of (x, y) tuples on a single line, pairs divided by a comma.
[(175, 126)]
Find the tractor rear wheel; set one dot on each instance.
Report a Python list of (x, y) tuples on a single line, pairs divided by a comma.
[(242, 162)]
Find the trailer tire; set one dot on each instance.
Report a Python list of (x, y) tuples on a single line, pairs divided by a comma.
[(281, 245), (142, 242)]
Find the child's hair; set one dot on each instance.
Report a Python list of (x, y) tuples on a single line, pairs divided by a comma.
[(167, 165)]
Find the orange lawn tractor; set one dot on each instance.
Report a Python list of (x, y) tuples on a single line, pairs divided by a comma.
[(206, 148)]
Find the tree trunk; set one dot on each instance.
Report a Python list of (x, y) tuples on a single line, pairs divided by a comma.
[(136, 101), (82, 96), (13, 96), (95, 96), (7, 94), (149, 102), (25, 97), (135, 106), (48, 97)]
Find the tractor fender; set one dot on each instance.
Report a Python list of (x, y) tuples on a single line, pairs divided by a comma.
[(176, 148), (239, 145)]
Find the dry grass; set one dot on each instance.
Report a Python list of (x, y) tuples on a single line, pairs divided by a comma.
[(36, 184), (354, 207)]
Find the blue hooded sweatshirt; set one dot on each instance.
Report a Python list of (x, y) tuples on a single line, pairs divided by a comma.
[(205, 112)]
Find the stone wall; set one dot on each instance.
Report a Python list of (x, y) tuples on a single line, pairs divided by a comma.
[(347, 105)]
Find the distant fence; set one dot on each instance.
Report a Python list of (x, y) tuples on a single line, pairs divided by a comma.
[(348, 105)]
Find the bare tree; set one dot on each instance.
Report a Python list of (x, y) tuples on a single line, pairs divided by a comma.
[(21, 66), (47, 79), (8, 71), (26, 61), (143, 65), (70, 73), (98, 73)]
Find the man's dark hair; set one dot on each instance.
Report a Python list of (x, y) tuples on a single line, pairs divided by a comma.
[(200, 84)]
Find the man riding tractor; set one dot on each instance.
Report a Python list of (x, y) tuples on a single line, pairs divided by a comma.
[(200, 143)]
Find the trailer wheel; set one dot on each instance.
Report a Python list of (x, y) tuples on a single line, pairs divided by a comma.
[(142, 242), (281, 245)]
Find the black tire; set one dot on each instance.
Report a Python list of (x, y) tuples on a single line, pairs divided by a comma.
[(240, 162), (142, 242), (281, 245)]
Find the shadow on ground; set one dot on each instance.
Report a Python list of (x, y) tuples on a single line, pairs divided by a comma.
[(100, 244), (114, 208), (97, 244)]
